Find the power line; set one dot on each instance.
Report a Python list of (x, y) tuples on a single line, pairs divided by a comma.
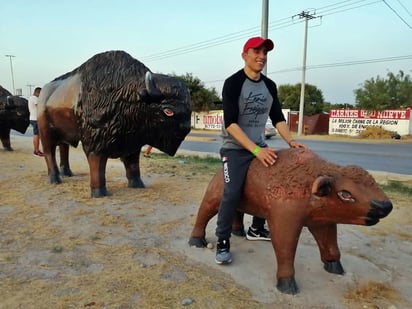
[(399, 16), (343, 6), (404, 7), (216, 41), (275, 25), (346, 63), (333, 65)]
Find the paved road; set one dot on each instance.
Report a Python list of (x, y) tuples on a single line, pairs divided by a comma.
[(377, 156)]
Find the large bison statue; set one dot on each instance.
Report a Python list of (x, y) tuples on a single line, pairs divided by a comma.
[(301, 189), (113, 104), (14, 114)]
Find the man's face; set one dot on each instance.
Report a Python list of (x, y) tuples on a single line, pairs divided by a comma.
[(255, 58)]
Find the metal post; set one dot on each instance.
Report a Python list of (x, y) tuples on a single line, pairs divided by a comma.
[(12, 76), (264, 26)]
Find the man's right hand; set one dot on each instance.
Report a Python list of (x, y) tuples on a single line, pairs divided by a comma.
[(267, 156)]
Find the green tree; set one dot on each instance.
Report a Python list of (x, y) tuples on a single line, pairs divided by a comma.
[(203, 99), (327, 106), (289, 96), (394, 91)]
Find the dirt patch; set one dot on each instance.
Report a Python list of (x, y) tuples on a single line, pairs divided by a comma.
[(61, 249)]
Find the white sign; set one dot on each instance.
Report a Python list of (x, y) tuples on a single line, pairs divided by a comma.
[(354, 121), (213, 120)]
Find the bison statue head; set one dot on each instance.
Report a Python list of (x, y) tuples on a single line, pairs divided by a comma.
[(14, 114)]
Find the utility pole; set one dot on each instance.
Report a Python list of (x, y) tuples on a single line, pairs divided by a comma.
[(307, 16), (264, 26), (30, 86), (12, 76)]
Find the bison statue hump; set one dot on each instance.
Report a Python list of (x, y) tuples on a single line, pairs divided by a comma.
[(113, 104), (14, 114), (301, 189)]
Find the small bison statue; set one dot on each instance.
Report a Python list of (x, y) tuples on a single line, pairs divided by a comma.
[(301, 189), (113, 104), (14, 114)]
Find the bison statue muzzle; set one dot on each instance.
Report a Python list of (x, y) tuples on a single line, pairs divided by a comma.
[(301, 189), (113, 104), (14, 114)]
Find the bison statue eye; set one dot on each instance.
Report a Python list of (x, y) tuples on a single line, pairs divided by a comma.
[(168, 112), (346, 196)]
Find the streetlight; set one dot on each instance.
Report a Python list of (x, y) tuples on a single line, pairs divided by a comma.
[(11, 69)]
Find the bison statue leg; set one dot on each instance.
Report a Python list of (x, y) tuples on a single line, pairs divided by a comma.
[(5, 139), (64, 160), (207, 210), (326, 238), (49, 144), (49, 150), (205, 213), (97, 167), (284, 238), (132, 165)]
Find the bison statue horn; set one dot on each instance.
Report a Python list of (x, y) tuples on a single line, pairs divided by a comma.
[(150, 85)]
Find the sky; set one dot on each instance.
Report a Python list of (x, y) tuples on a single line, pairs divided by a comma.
[(348, 42)]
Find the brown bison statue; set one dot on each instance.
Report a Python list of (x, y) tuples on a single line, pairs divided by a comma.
[(113, 104), (14, 114), (301, 189)]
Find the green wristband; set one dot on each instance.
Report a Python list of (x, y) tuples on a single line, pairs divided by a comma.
[(256, 150)]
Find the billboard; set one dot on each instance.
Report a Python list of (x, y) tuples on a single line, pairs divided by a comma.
[(353, 121)]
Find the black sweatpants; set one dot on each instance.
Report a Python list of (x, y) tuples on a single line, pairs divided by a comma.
[(235, 166)]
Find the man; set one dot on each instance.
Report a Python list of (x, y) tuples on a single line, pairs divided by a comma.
[(249, 98), (33, 121)]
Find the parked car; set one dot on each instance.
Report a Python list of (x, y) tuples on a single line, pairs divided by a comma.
[(270, 130)]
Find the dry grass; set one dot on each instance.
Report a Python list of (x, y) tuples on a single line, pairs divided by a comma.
[(61, 249), (372, 295)]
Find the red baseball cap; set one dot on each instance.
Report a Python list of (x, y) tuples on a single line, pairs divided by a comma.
[(258, 41)]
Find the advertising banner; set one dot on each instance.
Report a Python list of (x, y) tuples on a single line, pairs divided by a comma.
[(353, 121)]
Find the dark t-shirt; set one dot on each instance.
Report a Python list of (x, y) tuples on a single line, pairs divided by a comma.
[(249, 103)]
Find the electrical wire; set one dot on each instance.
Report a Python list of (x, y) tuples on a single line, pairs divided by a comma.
[(397, 14), (404, 7), (333, 65), (346, 63), (336, 8)]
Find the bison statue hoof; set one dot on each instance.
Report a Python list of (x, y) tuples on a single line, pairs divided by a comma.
[(8, 148), (287, 286), (65, 171), (136, 183), (99, 192), (55, 179), (198, 242), (334, 267)]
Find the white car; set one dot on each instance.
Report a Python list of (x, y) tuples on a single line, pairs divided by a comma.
[(270, 130)]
